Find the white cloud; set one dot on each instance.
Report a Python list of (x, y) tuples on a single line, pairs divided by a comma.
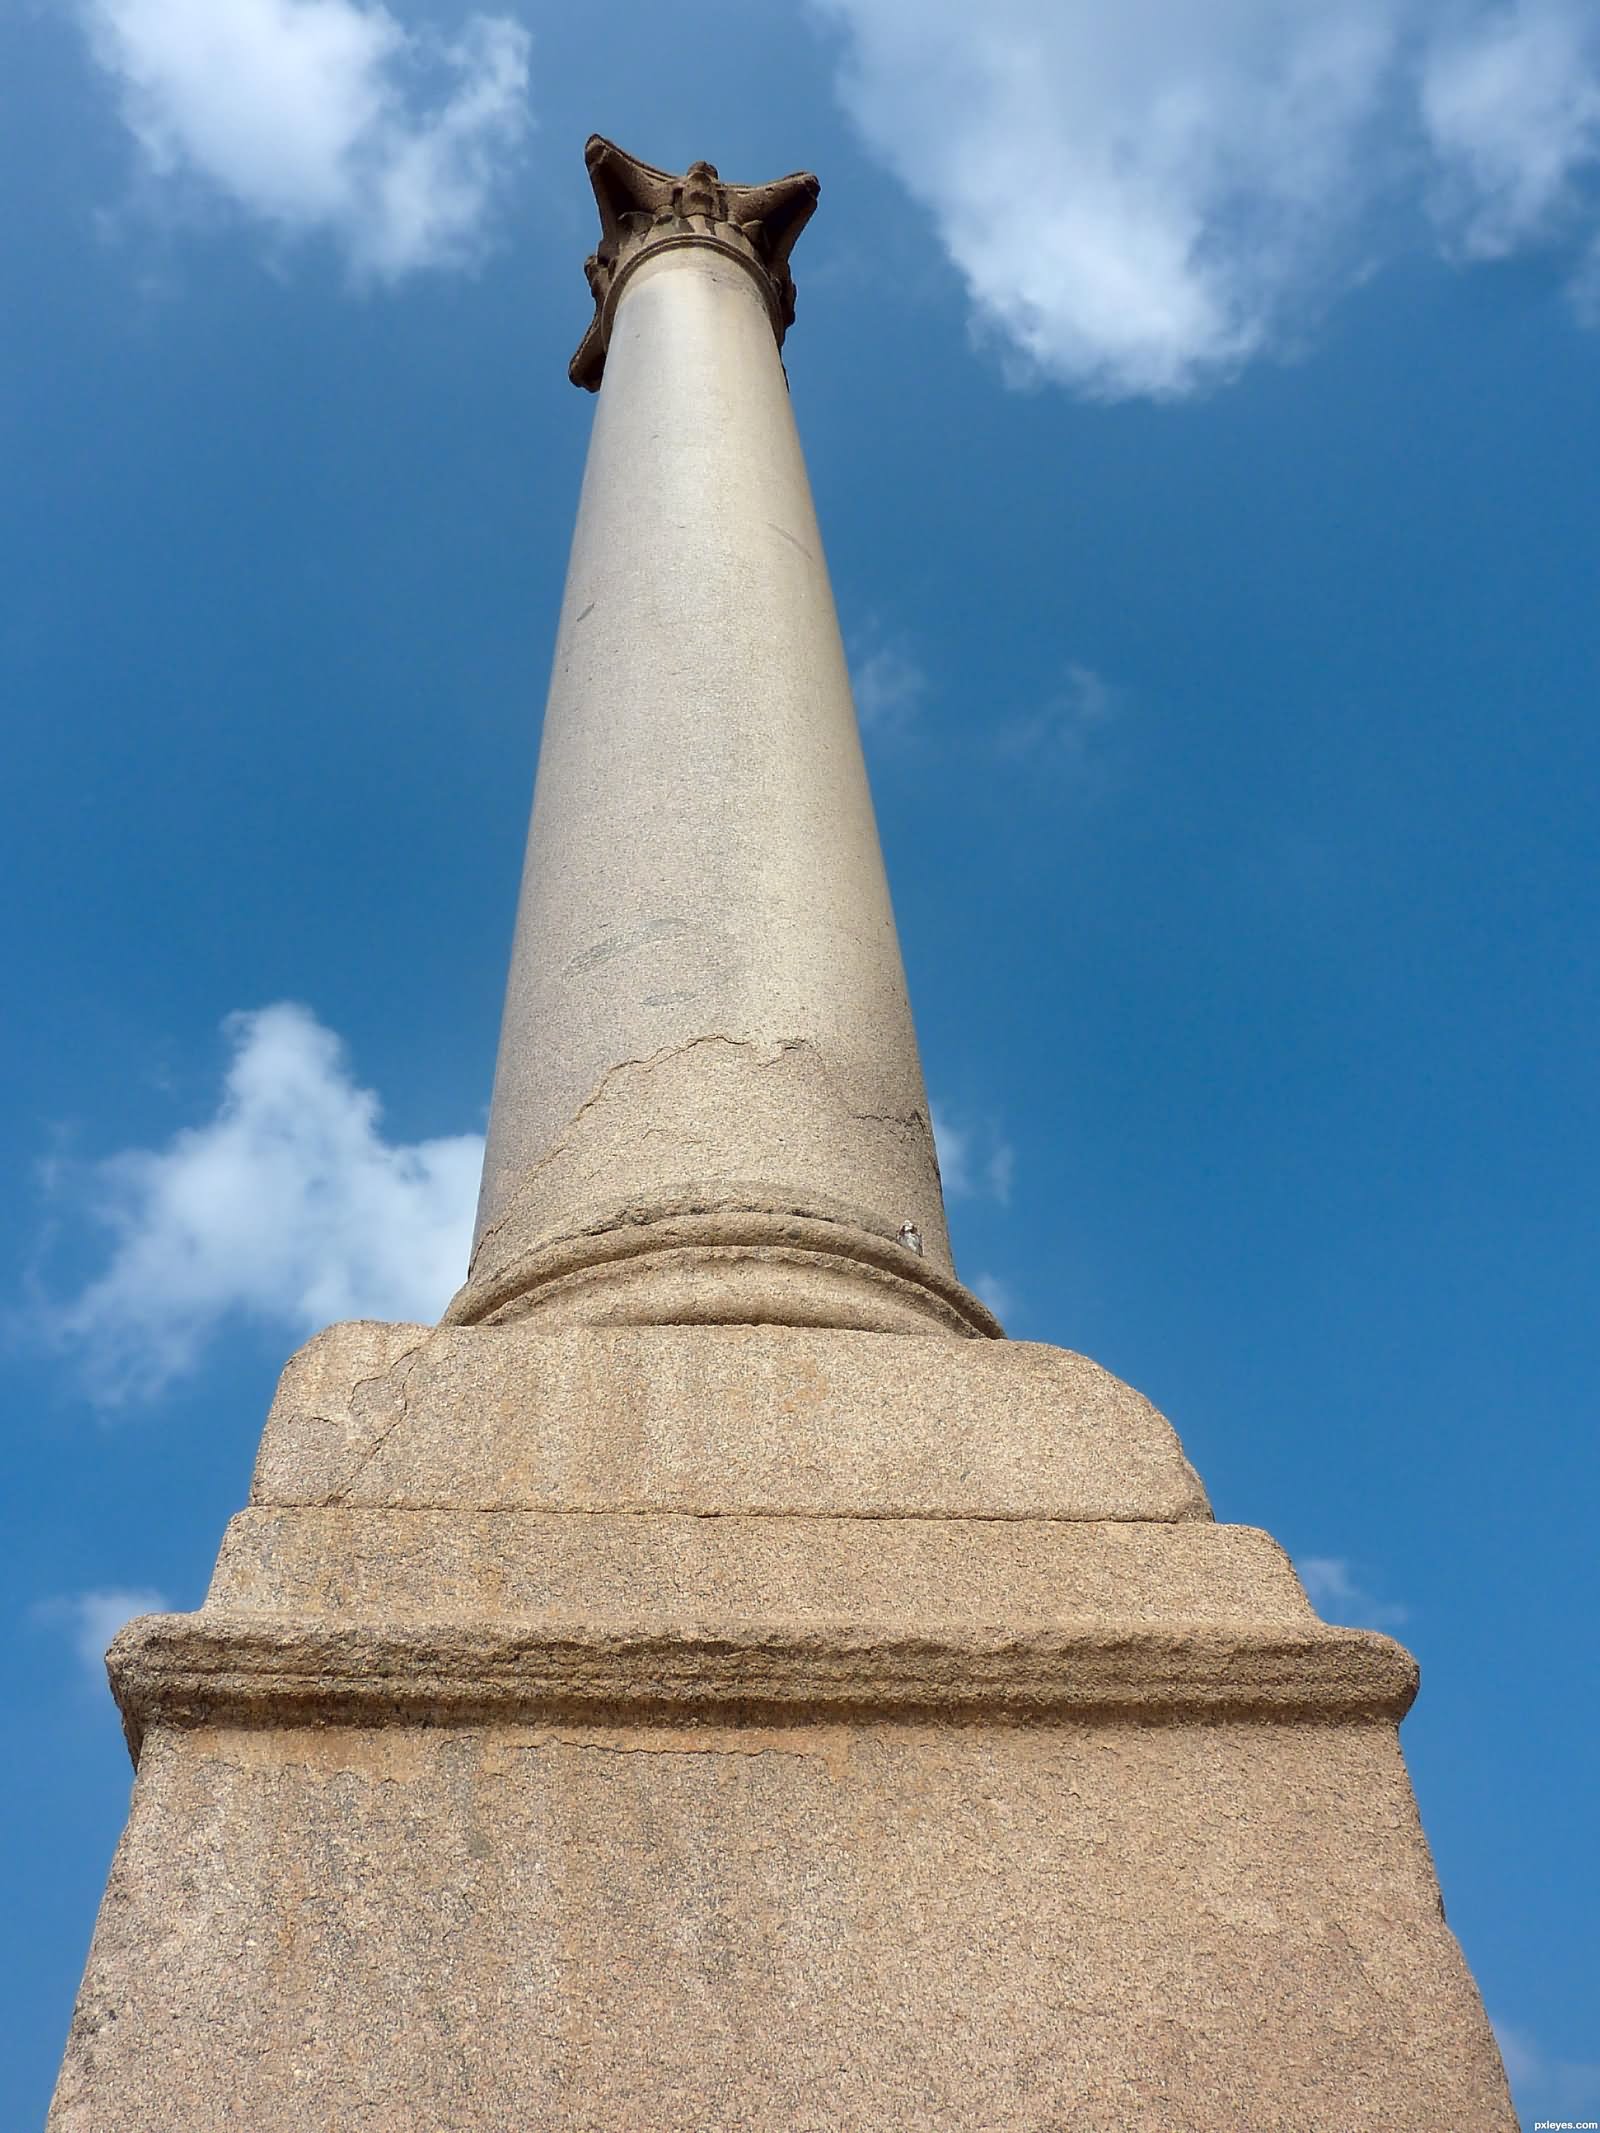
[(890, 687), (975, 1162), (1141, 199), (1334, 1590), (1068, 730), (92, 1619), (288, 1207), (1545, 2087), (324, 117), (1511, 104)]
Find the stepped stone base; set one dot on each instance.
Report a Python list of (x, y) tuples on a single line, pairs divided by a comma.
[(746, 1727)]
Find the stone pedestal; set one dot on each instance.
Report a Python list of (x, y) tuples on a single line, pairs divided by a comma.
[(712, 1728)]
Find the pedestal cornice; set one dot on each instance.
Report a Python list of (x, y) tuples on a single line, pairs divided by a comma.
[(245, 1670), (645, 211)]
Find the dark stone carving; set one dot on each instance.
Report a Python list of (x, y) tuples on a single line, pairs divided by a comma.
[(643, 210)]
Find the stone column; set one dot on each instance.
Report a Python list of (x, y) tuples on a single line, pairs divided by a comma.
[(708, 1105), (666, 1698)]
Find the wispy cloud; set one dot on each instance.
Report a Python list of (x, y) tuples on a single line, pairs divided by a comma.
[(976, 1161), (287, 1206), (323, 117), (1334, 1589), (92, 1619), (1511, 107), (890, 687), (1141, 200), (1547, 2087), (1068, 730), (997, 1294)]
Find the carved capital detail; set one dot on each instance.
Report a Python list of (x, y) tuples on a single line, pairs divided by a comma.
[(644, 210)]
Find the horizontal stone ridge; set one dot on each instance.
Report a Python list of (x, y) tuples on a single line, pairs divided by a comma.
[(384, 1566), (214, 1668)]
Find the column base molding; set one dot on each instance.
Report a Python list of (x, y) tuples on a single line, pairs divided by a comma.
[(716, 1261)]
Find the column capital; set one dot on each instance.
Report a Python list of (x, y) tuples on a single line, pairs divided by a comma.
[(645, 210)]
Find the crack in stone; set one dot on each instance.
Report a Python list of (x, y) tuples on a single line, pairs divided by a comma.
[(913, 1122), (784, 534), (401, 1372), (596, 1095), (832, 1751)]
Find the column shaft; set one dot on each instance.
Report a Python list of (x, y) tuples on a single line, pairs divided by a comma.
[(708, 1101)]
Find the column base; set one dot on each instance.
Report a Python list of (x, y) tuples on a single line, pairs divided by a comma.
[(712, 1260)]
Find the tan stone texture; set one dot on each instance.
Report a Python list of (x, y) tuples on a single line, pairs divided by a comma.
[(555, 1749), (1218, 1928), (379, 1566), (755, 1419), (706, 1005), (705, 944)]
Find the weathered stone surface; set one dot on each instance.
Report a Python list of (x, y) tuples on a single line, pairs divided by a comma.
[(269, 1670), (1222, 1927), (703, 1254), (616, 1813), (336, 1396), (386, 1565), (759, 1420)]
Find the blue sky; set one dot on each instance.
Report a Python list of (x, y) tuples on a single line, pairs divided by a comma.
[(1201, 409)]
